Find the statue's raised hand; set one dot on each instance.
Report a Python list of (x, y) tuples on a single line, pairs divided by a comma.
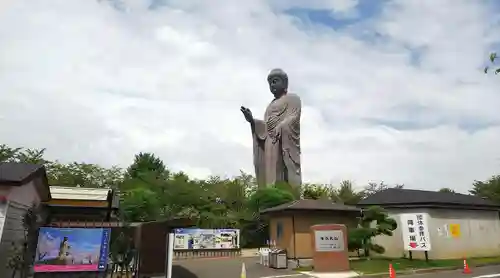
[(247, 113)]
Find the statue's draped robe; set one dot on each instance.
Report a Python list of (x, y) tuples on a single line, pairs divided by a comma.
[(277, 158)]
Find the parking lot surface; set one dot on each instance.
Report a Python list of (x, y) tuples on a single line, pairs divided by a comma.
[(228, 267)]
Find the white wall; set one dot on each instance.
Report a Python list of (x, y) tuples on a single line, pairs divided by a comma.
[(480, 234), (25, 194)]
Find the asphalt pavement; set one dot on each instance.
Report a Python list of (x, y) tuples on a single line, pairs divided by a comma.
[(231, 268), (477, 272), (228, 268)]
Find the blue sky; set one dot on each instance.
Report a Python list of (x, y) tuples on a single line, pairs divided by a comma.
[(392, 90), (365, 10)]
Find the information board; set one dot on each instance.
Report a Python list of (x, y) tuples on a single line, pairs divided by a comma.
[(329, 240), (185, 239), (72, 249), (415, 231)]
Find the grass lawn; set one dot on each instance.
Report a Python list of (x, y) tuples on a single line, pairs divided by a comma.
[(377, 265)]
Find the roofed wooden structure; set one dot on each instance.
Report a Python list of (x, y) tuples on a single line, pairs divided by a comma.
[(18, 174), (290, 223), (78, 204)]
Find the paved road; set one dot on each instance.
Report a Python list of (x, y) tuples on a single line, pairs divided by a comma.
[(231, 268), (480, 272), (227, 268)]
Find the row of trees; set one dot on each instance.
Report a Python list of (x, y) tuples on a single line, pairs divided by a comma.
[(150, 191)]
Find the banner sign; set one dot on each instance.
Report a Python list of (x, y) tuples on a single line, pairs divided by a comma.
[(415, 231), (195, 239), (72, 249)]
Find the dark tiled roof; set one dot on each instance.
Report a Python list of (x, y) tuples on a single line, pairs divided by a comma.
[(13, 172), (395, 196), (325, 205)]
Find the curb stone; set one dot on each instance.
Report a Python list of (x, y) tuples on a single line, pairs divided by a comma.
[(422, 270)]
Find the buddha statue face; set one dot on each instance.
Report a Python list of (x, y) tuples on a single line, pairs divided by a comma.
[(278, 82)]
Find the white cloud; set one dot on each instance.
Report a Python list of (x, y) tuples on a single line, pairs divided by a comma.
[(98, 84)]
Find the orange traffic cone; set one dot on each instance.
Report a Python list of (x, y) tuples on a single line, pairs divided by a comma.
[(392, 273), (466, 268)]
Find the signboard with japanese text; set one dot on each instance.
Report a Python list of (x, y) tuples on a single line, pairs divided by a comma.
[(193, 238), (329, 240), (415, 231), (72, 249)]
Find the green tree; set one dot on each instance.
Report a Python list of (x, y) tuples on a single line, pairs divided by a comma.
[(34, 156), (489, 189), (183, 197), (255, 230), (269, 197), (84, 175), (346, 194), (493, 66), (229, 198), (373, 188), (145, 163), (72, 174), (446, 190), (140, 204), (133, 190), (7, 153), (147, 181), (284, 186), (316, 192), (374, 221)]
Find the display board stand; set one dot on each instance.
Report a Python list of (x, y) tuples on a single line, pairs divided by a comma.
[(415, 231)]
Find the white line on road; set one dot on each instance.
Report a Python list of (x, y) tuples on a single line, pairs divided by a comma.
[(488, 276), (287, 275)]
